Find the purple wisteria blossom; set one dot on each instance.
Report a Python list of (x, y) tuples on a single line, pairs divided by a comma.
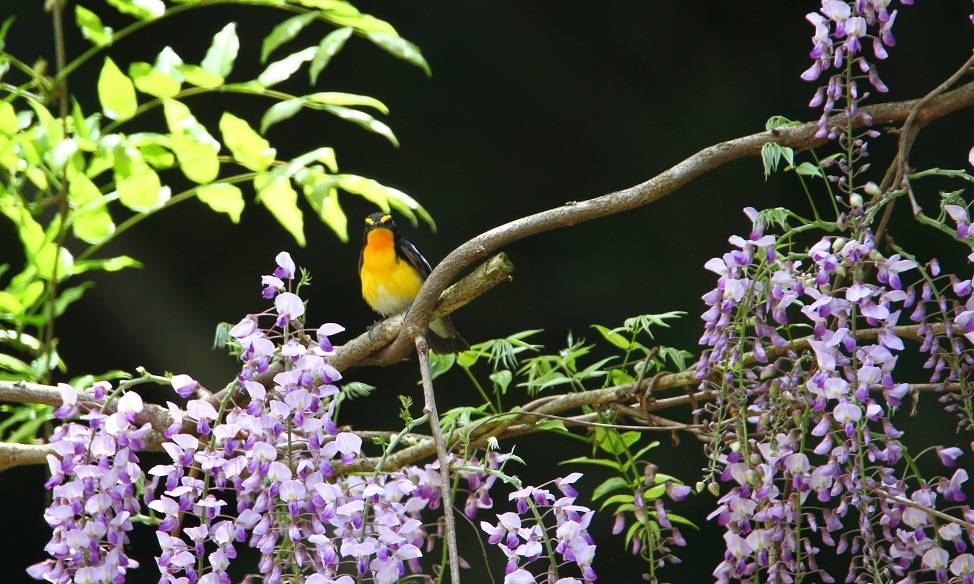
[(842, 28), (524, 541), (93, 482), (804, 438)]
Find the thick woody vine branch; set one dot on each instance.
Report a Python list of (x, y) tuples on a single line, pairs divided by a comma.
[(798, 138), (433, 302), (500, 426)]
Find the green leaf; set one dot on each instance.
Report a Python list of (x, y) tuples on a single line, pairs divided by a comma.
[(285, 32), (281, 70), (594, 461), (223, 198), (328, 48), (279, 112), (808, 169), (384, 196), (613, 441), (246, 145), (222, 52), (440, 364), (182, 122), (502, 379), (116, 92), (197, 160), (613, 337), (282, 201), (141, 9), (91, 27), (148, 79), (69, 295), (364, 120), (43, 254), (611, 484), (324, 200), (345, 99), (196, 75), (364, 23), (9, 304), (138, 186), (644, 450), (90, 222), (108, 265), (617, 499), (399, 47), (681, 520), (8, 119)]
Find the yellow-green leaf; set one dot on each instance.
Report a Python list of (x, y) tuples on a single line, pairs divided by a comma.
[(94, 225), (8, 119), (197, 160), (246, 145), (142, 9), (139, 188), (196, 75), (148, 79), (9, 303), (399, 47), (222, 52), (91, 221), (364, 120), (613, 337), (279, 112), (324, 200), (281, 200), (91, 27), (339, 98), (116, 92), (285, 32), (281, 70), (223, 198), (328, 48)]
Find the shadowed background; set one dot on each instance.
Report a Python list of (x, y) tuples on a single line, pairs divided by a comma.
[(530, 106)]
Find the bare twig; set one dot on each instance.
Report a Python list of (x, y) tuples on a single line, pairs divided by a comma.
[(445, 487)]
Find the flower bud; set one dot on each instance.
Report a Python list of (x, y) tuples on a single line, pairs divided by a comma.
[(872, 189), (650, 473), (855, 201), (714, 488)]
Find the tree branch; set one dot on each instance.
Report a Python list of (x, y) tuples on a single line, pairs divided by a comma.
[(798, 138)]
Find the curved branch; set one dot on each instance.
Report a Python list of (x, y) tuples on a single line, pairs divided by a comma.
[(798, 138)]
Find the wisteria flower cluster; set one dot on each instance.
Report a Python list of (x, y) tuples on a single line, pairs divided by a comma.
[(93, 481), (841, 29), (803, 429), (261, 466), (525, 537)]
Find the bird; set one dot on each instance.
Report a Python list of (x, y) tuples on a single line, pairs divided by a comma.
[(392, 271)]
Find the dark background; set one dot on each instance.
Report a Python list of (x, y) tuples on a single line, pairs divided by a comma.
[(531, 105)]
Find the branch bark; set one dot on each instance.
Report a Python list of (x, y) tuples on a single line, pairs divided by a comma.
[(798, 138)]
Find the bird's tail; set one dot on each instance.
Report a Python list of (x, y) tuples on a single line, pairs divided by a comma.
[(444, 339)]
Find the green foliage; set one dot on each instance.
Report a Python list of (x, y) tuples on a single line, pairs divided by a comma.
[(73, 178), (634, 484)]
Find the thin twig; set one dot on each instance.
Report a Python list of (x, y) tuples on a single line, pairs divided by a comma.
[(447, 492)]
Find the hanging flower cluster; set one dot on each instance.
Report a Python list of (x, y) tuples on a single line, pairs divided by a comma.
[(841, 30), (803, 429), (259, 468)]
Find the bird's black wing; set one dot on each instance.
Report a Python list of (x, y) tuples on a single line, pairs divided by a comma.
[(409, 252)]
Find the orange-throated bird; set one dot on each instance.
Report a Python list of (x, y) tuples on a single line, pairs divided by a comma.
[(392, 272)]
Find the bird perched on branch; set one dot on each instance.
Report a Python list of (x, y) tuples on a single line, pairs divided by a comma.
[(392, 272)]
